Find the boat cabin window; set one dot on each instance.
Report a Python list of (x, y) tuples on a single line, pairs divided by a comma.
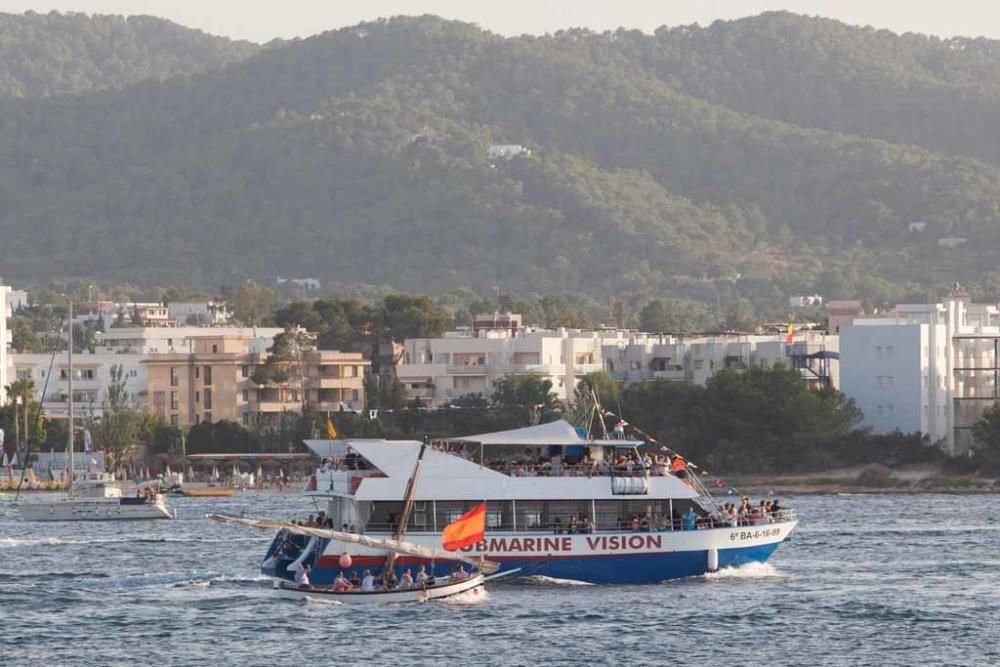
[(556, 516)]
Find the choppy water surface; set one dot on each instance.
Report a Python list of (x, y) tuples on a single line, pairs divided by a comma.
[(889, 580)]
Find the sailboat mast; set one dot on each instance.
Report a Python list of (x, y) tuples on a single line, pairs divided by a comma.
[(404, 516), (69, 445)]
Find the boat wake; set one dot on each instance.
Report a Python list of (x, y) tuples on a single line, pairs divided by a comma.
[(542, 580), (475, 596), (11, 542), (746, 571)]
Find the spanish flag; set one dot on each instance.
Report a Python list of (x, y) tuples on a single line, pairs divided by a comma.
[(466, 529), (331, 432), (791, 335)]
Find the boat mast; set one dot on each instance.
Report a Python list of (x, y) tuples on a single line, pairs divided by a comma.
[(404, 516), (70, 403)]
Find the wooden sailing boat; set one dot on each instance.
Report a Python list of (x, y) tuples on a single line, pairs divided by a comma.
[(393, 547)]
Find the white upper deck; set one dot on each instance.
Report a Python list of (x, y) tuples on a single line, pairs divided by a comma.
[(447, 476)]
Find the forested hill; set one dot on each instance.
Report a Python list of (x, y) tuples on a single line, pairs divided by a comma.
[(52, 54), (778, 151)]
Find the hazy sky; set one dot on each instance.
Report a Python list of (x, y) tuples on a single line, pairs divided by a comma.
[(260, 21)]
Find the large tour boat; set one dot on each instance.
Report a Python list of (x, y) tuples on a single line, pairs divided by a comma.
[(558, 505)]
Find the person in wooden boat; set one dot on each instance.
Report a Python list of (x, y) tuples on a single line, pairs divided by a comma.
[(459, 574), (368, 581), (354, 581), (406, 581), (302, 577), (422, 576), (340, 584)]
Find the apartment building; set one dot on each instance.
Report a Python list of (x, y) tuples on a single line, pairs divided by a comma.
[(928, 368), (697, 358), (216, 381), (92, 376), (152, 340), (438, 370)]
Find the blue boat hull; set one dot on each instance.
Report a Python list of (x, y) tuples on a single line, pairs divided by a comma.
[(642, 568)]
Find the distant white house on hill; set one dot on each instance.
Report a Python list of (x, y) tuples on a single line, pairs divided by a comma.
[(506, 151)]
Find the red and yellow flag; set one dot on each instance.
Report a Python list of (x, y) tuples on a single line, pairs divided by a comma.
[(790, 336), (331, 432), (466, 529)]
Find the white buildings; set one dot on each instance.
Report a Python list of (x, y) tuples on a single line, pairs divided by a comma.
[(506, 151), (697, 358), (437, 370), (91, 379), (199, 313), (932, 368), (147, 340), (4, 343), (126, 348)]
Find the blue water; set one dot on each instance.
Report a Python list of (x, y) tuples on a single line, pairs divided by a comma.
[(887, 580)]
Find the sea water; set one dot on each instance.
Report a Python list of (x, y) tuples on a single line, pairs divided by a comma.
[(865, 580)]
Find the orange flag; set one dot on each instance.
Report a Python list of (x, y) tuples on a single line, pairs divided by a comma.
[(466, 529), (790, 336)]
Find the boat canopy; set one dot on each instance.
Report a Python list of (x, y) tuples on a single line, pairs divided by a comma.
[(446, 476), (559, 433)]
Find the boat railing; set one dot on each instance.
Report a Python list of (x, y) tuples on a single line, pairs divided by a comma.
[(703, 523)]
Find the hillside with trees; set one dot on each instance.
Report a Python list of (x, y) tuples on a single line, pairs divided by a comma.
[(54, 54), (727, 164)]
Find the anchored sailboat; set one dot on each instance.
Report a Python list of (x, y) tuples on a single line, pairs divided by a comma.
[(95, 496)]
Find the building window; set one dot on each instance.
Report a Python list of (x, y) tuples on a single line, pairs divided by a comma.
[(175, 376), (246, 395), (244, 371), (246, 418), (174, 400), (208, 375), (24, 374), (208, 417), (354, 394), (215, 349), (197, 372), (197, 396), (208, 399), (295, 395), (173, 420), (197, 418)]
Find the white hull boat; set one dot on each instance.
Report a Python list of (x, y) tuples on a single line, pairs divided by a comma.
[(96, 509), (472, 585), (98, 498)]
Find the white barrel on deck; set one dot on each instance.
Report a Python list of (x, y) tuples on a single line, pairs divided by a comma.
[(713, 560)]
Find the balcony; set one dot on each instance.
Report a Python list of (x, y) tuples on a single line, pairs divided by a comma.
[(330, 382), (584, 369), (471, 369), (274, 406)]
